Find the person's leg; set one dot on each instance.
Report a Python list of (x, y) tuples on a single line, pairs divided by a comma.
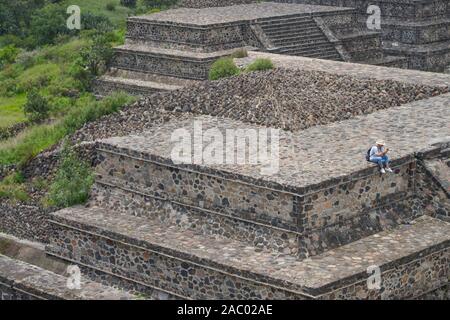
[(386, 163), (379, 161)]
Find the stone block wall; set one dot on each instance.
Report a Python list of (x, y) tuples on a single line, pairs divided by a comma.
[(163, 64), (132, 260), (419, 34), (186, 37), (163, 270), (24, 221), (298, 223), (430, 195), (406, 9), (415, 278)]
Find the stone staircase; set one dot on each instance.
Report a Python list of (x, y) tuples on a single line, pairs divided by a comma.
[(298, 35), (205, 232), (416, 30)]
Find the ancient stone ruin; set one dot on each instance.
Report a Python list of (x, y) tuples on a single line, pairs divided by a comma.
[(417, 30), (164, 50), (315, 226)]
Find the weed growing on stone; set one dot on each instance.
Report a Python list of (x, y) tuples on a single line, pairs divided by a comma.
[(72, 182), (260, 64), (223, 68)]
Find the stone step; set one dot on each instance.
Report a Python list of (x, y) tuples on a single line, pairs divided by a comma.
[(307, 45), (315, 207), (284, 18), (292, 24), (281, 32), (261, 235), (107, 85), (291, 28), (412, 260), (166, 62), (307, 50), (22, 281), (326, 56), (298, 39), (137, 83), (313, 53)]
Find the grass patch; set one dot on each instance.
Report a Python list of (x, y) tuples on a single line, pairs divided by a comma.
[(72, 182), (12, 188), (260, 64), (11, 110), (30, 143), (223, 68), (36, 139)]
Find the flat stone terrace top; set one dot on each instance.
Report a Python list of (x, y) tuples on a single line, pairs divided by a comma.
[(48, 285), (315, 275), (239, 13), (311, 158), (363, 71)]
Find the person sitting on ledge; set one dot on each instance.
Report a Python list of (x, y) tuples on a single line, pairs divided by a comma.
[(378, 155)]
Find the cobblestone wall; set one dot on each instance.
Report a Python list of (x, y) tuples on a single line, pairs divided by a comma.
[(349, 210), (410, 277), (405, 9), (185, 37), (24, 221)]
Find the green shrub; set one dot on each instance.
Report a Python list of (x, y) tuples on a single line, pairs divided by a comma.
[(37, 107), (260, 64), (222, 68), (111, 6), (8, 55), (240, 53), (72, 182), (93, 60), (99, 23)]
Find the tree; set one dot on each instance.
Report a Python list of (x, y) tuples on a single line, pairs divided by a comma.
[(93, 60), (47, 24), (15, 15)]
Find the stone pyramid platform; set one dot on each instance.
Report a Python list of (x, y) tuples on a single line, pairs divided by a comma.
[(416, 29), (180, 45), (22, 281), (310, 230)]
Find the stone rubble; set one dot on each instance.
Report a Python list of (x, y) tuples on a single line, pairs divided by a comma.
[(287, 99)]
